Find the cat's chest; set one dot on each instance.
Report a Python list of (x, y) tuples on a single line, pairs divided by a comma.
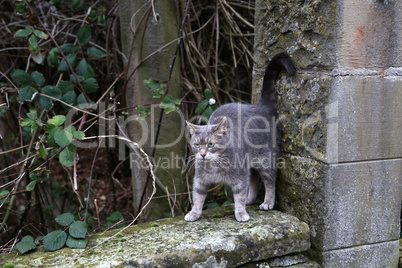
[(215, 173)]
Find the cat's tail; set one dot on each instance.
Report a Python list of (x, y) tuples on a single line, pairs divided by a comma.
[(279, 63)]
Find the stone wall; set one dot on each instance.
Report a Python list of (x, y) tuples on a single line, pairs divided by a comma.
[(342, 123)]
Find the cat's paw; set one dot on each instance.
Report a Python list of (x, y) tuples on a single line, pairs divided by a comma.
[(267, 206), (242, 216), (192, 216)]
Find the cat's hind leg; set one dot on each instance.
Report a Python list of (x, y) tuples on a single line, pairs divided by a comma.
[(268, 179), (253, 187)]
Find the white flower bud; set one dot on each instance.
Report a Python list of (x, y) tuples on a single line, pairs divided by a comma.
[(212, 101)]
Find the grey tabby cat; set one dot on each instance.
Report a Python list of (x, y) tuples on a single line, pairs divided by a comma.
[(239, 141)]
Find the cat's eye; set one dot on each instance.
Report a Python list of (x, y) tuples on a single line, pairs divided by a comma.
[(196, 145), (211, 144)]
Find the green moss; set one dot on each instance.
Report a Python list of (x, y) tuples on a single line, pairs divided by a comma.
[(177, 243)]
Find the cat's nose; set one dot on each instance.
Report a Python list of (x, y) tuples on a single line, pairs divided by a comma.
[(203, 155)]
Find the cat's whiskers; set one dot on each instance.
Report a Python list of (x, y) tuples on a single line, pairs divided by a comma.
[(190, 163)]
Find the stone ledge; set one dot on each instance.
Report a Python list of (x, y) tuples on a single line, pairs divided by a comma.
[(217, 237)]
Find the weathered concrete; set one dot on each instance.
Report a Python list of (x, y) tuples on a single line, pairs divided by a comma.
[(400, 253), (366, 256), (217, 239), (342, 121)]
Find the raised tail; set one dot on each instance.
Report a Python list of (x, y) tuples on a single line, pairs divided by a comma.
[(279, 63)]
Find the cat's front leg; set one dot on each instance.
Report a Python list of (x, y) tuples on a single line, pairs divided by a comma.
[(240, 198), (199, 194)]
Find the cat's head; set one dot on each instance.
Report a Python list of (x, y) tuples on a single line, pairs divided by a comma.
[(208, 142)]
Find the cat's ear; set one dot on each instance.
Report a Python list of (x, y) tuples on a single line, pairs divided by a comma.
[(193, 128), (221, 128)]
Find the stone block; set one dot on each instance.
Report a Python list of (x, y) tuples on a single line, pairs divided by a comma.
[(341, 118), (366, 256), (302, 191), (369, 118), (368, 34), (217, 240), (345, 205), (305, 29), (368, 199)]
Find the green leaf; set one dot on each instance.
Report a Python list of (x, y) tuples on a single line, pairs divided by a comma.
[(208, 94), (75, 4), (26, 244), (27, 122), (22, 33), (201, 107), (71, 129), (40, 34), (33, 45), (84, 69), (115, 216), (63, 137), (81, 99), (65, 219), (84, 35), (168, 104), (42, 152), (27, 93), (45, 103), (38, 78), (77, 242), (54, 240), (57, 120), (31, 185), (38, 58), (51, 129), (93, 15), (102, 19), (69, 48), (90, 85), (71, 59), (3, 197), (21, 78), (52, 91), (151, 84), (80, 78), (20, 7), (96, 53), (212, 205), (78, 229), (207, 113), (57, 189), (32, 113), (70, 98), (79, 135), (65, 86), (142, 112), (53, 58), (56, 2), (66, 158)]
